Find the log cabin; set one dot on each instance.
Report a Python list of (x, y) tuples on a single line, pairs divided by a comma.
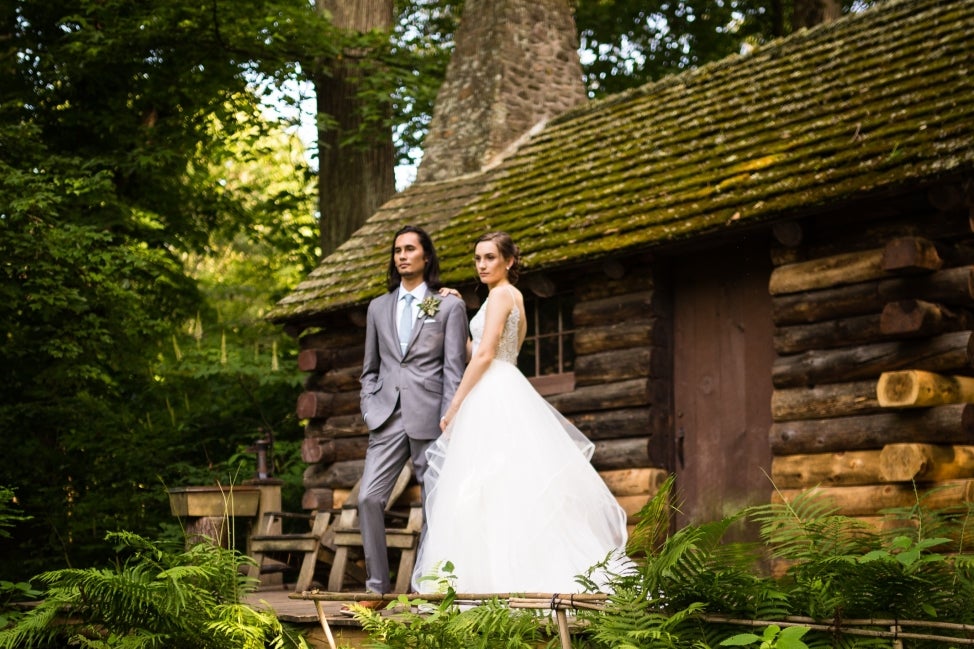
[(721, 266)]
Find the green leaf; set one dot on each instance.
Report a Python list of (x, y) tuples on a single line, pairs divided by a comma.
[(740, 640)]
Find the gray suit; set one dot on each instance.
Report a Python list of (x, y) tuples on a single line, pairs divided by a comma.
[(403, 398)]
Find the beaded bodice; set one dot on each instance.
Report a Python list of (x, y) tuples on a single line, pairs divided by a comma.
[(507, 346)]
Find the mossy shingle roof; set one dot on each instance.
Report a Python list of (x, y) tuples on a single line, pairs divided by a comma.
[(874, 101)]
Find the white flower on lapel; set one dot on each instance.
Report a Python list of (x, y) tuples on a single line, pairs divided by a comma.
[(428, 307)]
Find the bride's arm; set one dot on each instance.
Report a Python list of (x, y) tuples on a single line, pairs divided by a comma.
[(499, 306)]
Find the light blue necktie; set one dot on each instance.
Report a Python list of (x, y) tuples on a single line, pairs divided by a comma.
[(406, 322)]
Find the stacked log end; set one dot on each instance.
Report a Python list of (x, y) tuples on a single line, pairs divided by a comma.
[(873, 388)]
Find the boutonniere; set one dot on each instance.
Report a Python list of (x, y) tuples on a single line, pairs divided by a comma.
[(429, 306)]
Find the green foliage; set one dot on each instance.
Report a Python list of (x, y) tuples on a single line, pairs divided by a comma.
[(627, 43), (152, 597), (491, 625), (695, 589), (690, 584), (146, 207), (774, 637)]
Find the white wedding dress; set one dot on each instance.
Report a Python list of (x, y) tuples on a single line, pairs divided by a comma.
[(512, 500)]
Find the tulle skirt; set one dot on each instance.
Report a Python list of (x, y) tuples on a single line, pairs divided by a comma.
[(512, 500)]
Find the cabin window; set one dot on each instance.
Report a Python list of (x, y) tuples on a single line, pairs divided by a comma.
[(547, 356)]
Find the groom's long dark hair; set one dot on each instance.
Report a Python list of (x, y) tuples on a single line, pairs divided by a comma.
[(431, 274)]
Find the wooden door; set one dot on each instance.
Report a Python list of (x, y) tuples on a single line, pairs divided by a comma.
[(723, 355)]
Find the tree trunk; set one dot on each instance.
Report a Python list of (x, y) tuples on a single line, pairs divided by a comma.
[(353, 180)]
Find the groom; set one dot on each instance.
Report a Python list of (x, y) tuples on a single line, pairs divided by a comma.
[(415, 352)]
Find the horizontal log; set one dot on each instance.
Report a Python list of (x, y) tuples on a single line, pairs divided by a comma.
[(313, 405), (900, 255), (953, 352), (340, 475), (624, 394), (921, 318), (857, 330), (318, 498), (951, 286), (788, 233), (619, 335), (322, 360), (336, 426), (827, 272), (824, 401), (926, 462), (869, 500), (328, 450), (338, 379), (911, 255), (916, 388), (630, 306), (632, 505), (618, 365), (540, 284), (313, 449), (596, 285), (884, 224), (640, 481), (627, 453), (943, 424), (332, 338), (613, 424), (826, 469)]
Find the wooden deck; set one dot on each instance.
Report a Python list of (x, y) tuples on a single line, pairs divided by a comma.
[(347, 631)]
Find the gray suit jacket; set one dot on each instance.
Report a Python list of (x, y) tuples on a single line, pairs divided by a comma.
[(426, 378)]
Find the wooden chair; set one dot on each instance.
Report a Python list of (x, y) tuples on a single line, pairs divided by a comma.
[(309, 546), (348, 537), (331, 537)]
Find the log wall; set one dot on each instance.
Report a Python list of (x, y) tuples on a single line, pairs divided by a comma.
[(619, 399), (855, 297)]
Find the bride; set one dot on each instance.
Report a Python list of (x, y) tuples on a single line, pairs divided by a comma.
[(513, 503)]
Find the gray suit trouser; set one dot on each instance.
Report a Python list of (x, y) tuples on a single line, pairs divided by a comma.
[(389, 450)]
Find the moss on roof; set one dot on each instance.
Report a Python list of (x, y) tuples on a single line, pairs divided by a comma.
[(874, 101)]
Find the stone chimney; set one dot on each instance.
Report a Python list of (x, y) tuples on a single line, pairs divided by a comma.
[(515, 65)]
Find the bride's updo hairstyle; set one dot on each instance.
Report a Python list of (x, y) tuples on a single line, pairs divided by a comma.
[(509, 251)]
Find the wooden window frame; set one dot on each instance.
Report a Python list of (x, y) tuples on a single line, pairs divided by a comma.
[(562, 381)]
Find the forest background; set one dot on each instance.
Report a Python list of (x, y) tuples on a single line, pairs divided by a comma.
[(155, 202)]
